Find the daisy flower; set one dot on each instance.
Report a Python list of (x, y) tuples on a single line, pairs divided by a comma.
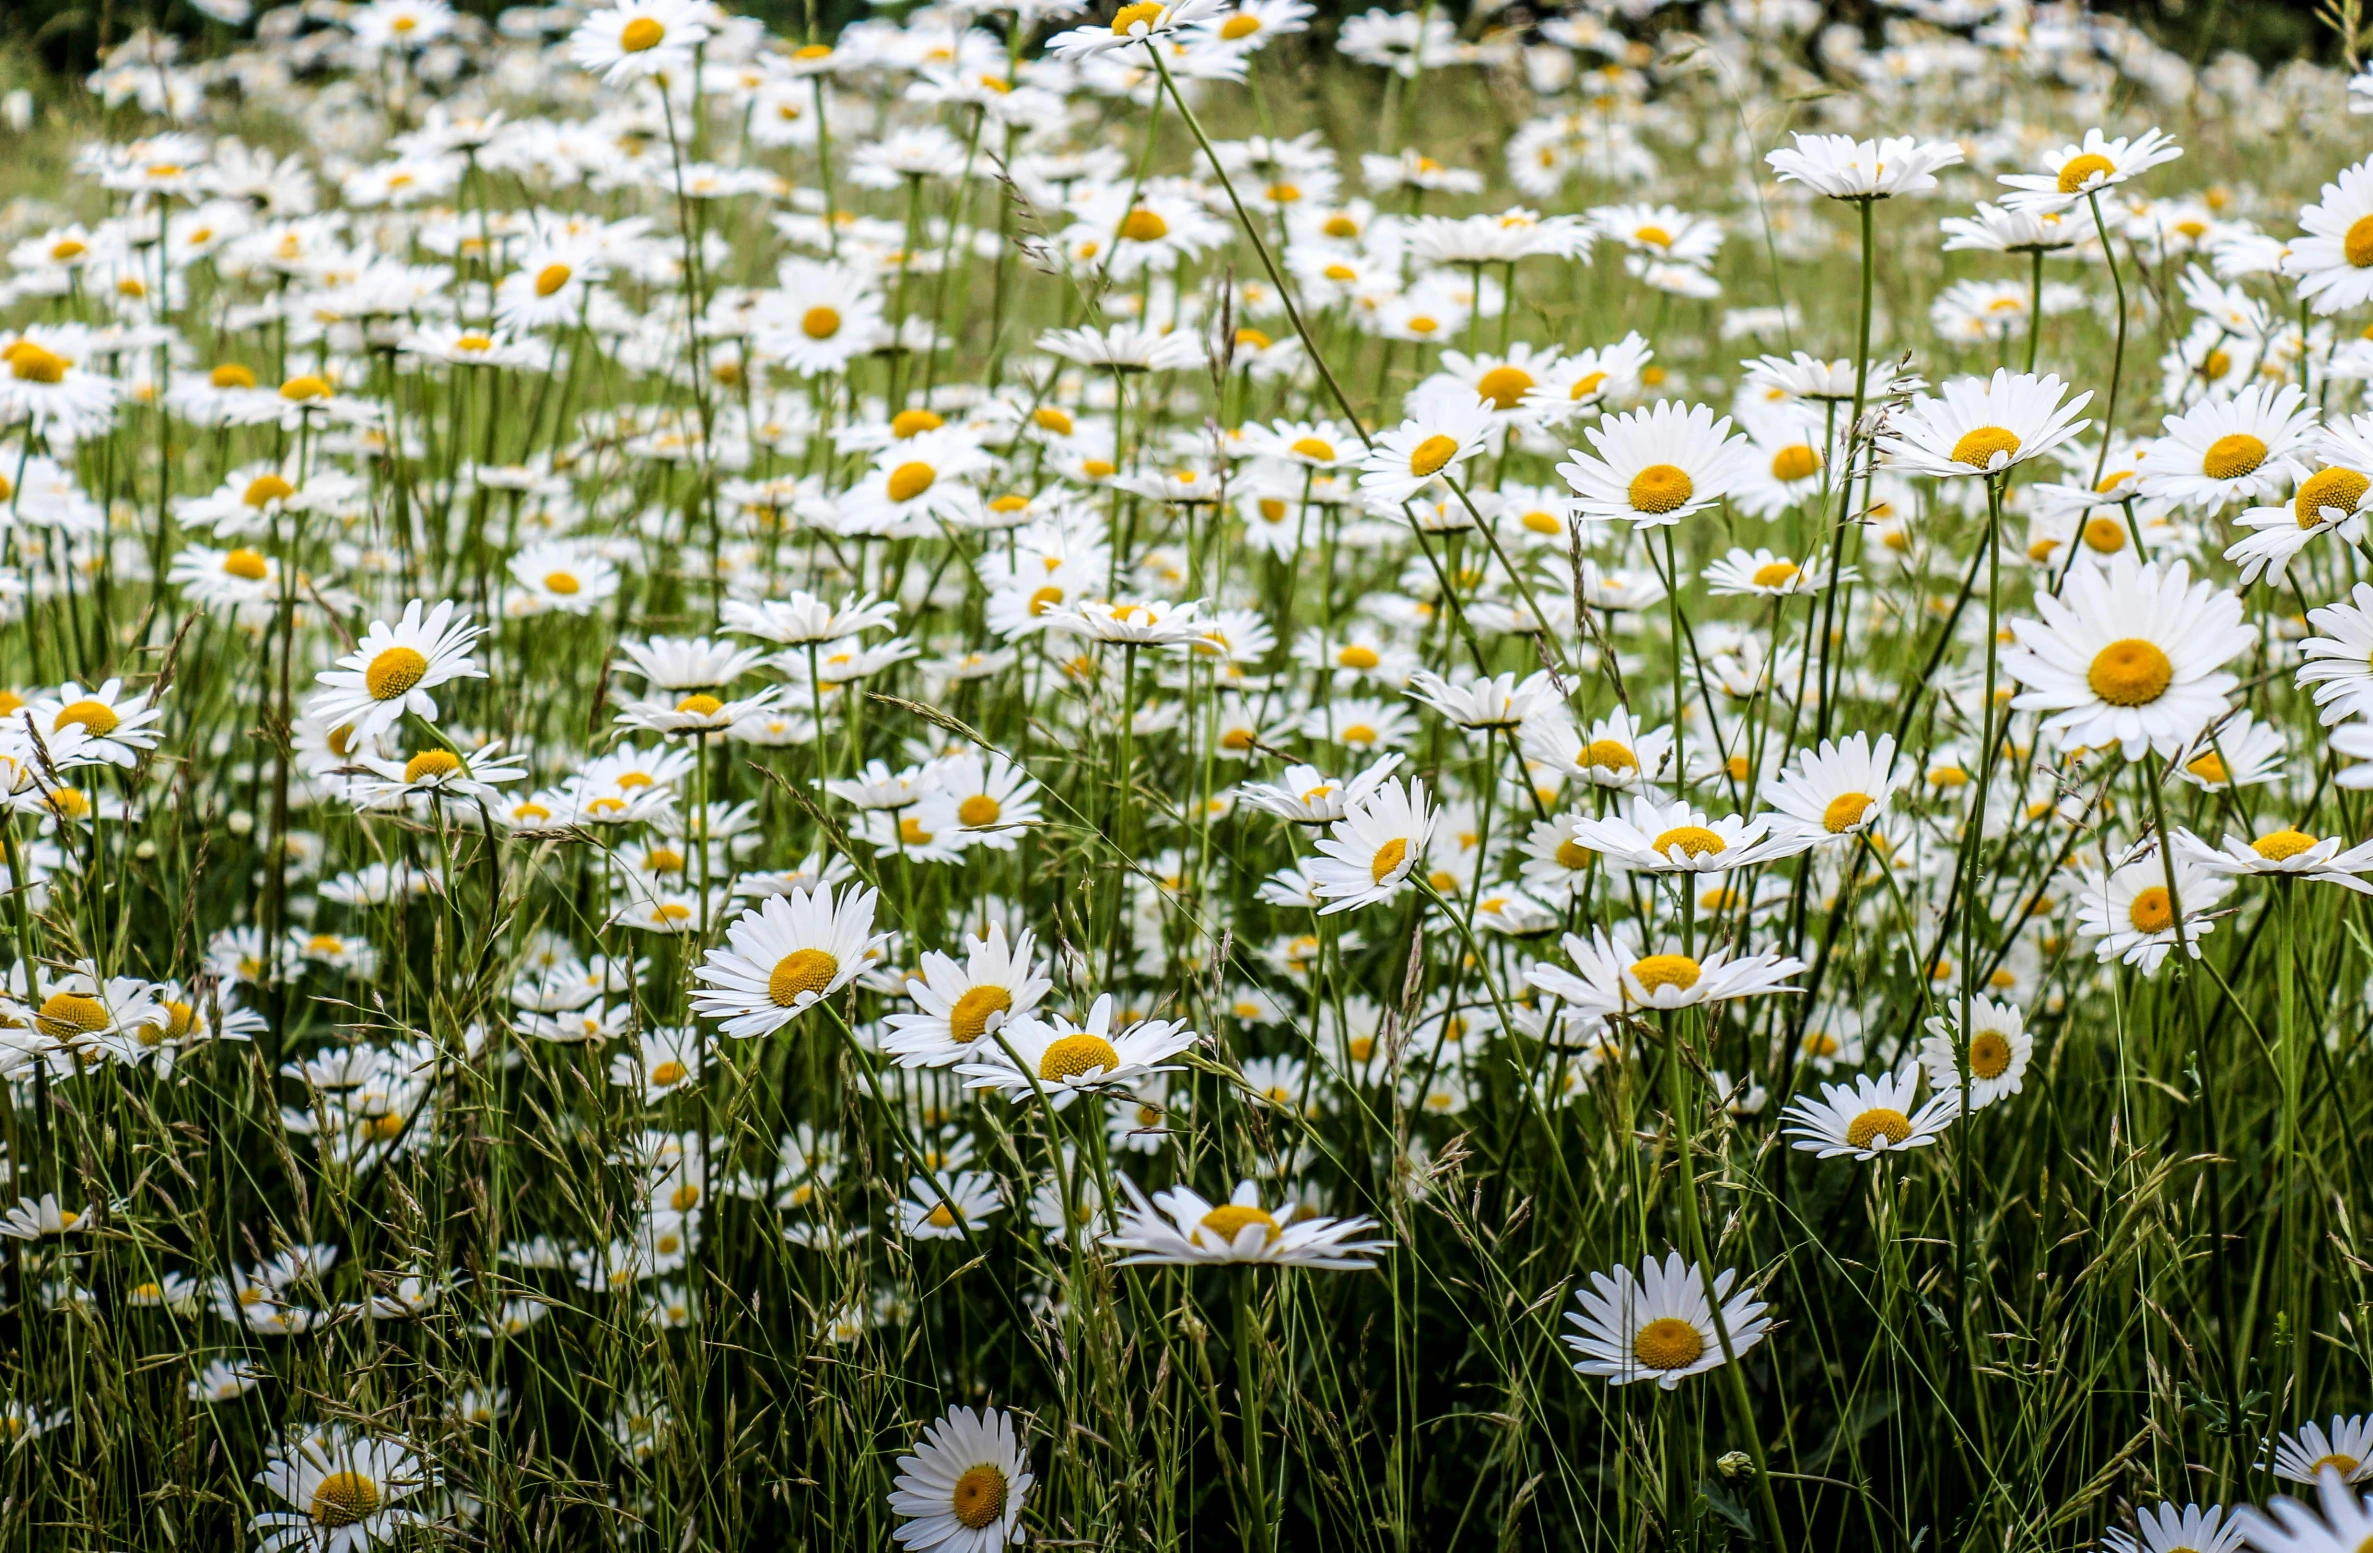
[(2129, 655), (1368, 854), (558, 577), (39, 1219), (1761, 574), (2225, 450), (2346, 1451), (1982, 427), (2075, 171), (1612, 977), (821, 316), (928, 1212), (395, 668), (1677, 838), (1871, 1116), (1142, 21), (2167, 1529), (1428, 446), (2340, 661), (1308, 796), (1484, 704), (2238, 752), (791, 952), (963, 1485), (1069, 1059), (1840, 789), (639, 38), (1848, 169), (972, 801), (1181, 1228), (1615, 753), (115, 727), (959, 1004), (1658, 1324), (346, 1487), (2332, 259), (1655, 466), (2284, 850), (1999, 1050), (2130, 911)]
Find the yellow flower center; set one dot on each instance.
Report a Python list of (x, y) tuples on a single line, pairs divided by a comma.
[(2077, 171), (1666, 970), (1977, 448), (564, 583), (1668, 1343), (231, 375), (2130, 672), (429, 765), (1989, 1054), (551, 278), (1283, 193), (978, 810), (913, 423), (97, 717), (1316, 448), (68, 803), (2341, 488), (2152, 911), (641, 35), (1653, 236), (1389, 858), (801, 971), (1845, 811), (67, 1014), (1429, 456), (2208, 768), (979, 1498), (909, 481), (2281, 845), (668, 1074), (2340, 1462), (1695, 840), (1239, 27), (1611, 756), (1775, 574), (1878, 1122), (1573, 854), (2358, 244), (344, 1499), (2105, 536), (1128, 16), (2232, 456), (1505, 387), (266, 489), (1142, 225), (700, 705), (969, 1020), (309, 385), (1228, 1220), (1075, 1055), (394, 672), (32, 364), (1661, 488), (1359, 735)]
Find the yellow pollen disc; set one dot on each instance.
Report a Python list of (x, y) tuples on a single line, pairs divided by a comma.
[(701, 705), (32, 364), (909, 481), (1695, 840), (1228, 1220), (978, 810), (1239, 27), (1609, 755), (1075, 1055), (1797, 462), (912, 833), (2077, 170), (2342, 1463), (969, 1020), (1653, 236), (802, 970), (2105, 536), (1668, 1343), (1357, 656), (2230, 457), (1877, 1122), (265, 489), (1977, 448), (1051, 419), (307, 386), (564, 583), (1989, 1054), (1573, 854), (1045, 599), (231, 375), (1845, 811), (2208, 768), (68, 248), (68, 803), (394, 672), (2341, 488), (344, 1499), (1661, 488), (668, 1074), (1666, 970), (1283, 193), (2130, 672), (95, 716), (1128, 16), (1775, 574), (1098, 469), (979, 1497), (641, 35), (2152, 911), (664, 860), (69, 1014), (1142, 225), (431, 764), (1389, 857), (2278, 846), (813, 51), (1315, 448), (1340, 272), (551, 278), (1429, 456), (1505, 387), (2358, 244), (474, 343)]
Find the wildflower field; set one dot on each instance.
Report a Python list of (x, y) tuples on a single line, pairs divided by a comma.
[(1190, 776)]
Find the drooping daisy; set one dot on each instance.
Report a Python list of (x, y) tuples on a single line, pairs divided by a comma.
[(1658, 1324), (1611, 976), (1306, 795), (1848, 169), (2131, 912), (2074, 172), (1871, 1116), (2340, 661), (960, 1004), (964, 1484), (1999, 1050), (2128, 655), (1500, 701), (2346, 1451), (1655, 466), (1369, 853), (1974, 426), (395, 667), (2225, 450), (790, 953), (1423, 448), (2238, 752), (1181, 1228), (1068, 1059)]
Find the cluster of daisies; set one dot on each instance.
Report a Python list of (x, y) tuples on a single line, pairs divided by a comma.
[(620, 627)]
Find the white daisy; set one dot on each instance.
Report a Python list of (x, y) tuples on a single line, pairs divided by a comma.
[(790, 953), (1974, 426), (1655, 466), (963, 1486), (960, 1004), (1368, 854), (1871, 1116), (1999, 1050), (1658, 1324), (2129, 655), (2071, 173), (1068, 1059), (1181, 1228), (1841, 789), (395, 667)]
